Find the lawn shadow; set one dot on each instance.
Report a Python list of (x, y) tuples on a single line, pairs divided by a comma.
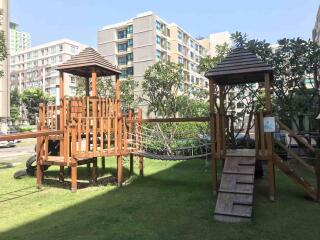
[(175, 203)]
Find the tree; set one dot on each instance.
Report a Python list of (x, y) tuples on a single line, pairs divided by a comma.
[(208, 62), (162, 82), (3, 49), (15, 103), (15, 99), (31, 98), (106, 88)]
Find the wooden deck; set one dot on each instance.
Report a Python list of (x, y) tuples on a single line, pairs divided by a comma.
[(235, 196)]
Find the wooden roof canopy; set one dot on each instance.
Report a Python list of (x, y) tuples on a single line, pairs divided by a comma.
[(239, 67), (88, 59)]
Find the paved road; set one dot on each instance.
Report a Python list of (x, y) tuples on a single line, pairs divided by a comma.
[(17, 154)]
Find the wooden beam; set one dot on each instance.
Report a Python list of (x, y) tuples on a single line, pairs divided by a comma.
[(271, 173), (168, 120), (213, 158), (306, 186), (29, 134)]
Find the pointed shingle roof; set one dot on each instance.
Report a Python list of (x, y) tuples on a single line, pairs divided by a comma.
[(82, 64), (240, 66)]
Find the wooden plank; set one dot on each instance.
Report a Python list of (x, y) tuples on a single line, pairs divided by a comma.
[(295, 156), (29, 134), (306, 186), (213, 138), (168, 120), (296, 137)]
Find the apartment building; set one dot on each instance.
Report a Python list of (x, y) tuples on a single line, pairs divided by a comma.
[(316, 29), (4, 67), (35, 67), (18, 40), (214, 40), (138, 43)]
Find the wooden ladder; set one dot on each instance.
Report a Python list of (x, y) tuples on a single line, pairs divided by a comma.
[(235, 196)]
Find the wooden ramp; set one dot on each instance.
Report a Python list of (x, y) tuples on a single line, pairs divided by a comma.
[(235, 197)]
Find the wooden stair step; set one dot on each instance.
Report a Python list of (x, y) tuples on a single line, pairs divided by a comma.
[(238, 172), (235, 195)]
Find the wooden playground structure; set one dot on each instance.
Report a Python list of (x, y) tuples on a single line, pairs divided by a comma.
[(92, 127)]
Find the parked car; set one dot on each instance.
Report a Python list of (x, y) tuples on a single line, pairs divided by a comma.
[(13, 131), (6, 143)]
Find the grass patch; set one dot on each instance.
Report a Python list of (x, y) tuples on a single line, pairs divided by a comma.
[(173, 201)]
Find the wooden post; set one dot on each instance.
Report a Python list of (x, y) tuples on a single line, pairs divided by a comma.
[(222, 124), (317, 168), (39, 171), (87, 83), (131, 164), (103, 165), (118, 123), (73, 160), (61, 174), (271, 173), (213, 158), (141, 166), (94, 171), (62, 110), (94, 109)]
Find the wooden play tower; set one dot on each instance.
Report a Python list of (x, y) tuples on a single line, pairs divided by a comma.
[(235, 194), (86, 127)]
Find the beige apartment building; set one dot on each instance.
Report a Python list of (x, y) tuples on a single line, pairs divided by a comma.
[(138, 43), (4, 67), (35, 67)]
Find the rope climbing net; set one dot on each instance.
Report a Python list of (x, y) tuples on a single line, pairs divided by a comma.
[(173, 142)]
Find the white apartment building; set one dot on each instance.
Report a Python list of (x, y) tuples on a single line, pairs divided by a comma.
[(4, 67), (138, 43), (35, 67), (18, 40)]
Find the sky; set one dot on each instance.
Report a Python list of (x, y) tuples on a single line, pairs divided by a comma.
[(79, 20)]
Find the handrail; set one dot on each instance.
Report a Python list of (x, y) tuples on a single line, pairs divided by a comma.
[(190, 119), (295, 156), (296, 137), (24, 135)]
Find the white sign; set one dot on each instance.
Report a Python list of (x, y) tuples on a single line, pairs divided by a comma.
[(269, 124)]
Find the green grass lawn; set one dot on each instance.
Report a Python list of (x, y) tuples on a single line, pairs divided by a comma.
[(172, 201)]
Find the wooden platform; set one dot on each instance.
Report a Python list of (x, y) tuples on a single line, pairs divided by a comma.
[(235, 197)]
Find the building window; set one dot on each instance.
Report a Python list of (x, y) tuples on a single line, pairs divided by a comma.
[(122, 47), (158, 39), (180, 60), (168, 46), (158, 25), (60, 58), (130, 71), (53, 59), (60, 47), (130, 57), (53, 50), (122, 60), (191, 55), (197, 47), (130, 29), (130, 42), (179, 47), (158, 54), (123, 73), (180, 35), (122, 34), (73, 49)]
